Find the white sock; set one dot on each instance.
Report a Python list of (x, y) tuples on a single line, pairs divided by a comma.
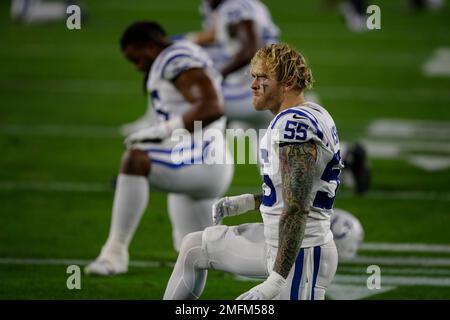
[(189, 274), (130, 202)]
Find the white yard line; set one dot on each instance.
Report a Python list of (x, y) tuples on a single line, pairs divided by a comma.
[(394, 148), (73, 186), (339, 279), (438, 65), (52, 186), (61, 130), (81, 262), (406, 247), (403, 128), (90, 86), (399, 261), (399, 271), (394, 280), (402, 195)]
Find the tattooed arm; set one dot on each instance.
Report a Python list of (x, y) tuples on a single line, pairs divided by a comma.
[(297, 164), (297, 172)]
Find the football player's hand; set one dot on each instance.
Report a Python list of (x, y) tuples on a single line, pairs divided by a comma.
[(232, 206), (152, 134), (268, 290), (155, 133)]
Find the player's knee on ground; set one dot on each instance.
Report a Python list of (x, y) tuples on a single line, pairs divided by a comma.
[(135, 162)]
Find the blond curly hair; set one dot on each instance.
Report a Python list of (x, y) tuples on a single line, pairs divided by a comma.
[(285, 64)]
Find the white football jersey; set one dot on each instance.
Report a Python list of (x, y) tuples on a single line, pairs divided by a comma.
[(182, 55), (308, 122)]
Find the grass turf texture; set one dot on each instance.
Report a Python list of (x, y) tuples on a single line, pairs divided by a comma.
[(50, 76)]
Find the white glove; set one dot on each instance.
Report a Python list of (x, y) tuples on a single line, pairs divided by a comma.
[(155, 133), (232, 206), (267, 290)]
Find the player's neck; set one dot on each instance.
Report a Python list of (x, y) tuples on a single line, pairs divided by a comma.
[(292, 101)]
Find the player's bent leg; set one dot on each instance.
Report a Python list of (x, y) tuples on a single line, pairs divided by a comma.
[(188, 215), (199, 181), (238, 249), (130, 202), (189, 274)]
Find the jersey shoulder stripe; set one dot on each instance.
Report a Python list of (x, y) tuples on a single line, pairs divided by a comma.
[(185, 55), (189, 63), (303, 114)]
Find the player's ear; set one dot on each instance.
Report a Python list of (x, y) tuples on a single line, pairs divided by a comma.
[(289, 85)]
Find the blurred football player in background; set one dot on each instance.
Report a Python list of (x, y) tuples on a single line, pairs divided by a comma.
[(233, 31), (300, 160), (184, 88), (237, 29)]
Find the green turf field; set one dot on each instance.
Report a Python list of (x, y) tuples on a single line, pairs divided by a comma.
[(63, 94)]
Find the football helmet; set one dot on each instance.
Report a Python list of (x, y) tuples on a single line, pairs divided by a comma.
[(348, 233)]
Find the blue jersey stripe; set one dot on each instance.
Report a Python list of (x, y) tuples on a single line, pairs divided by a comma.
[(312, 116), (316, 269), (169, 50), (169, 151), (171, 59), (164, 114), (172, 165), (203, 62), (296, 281)]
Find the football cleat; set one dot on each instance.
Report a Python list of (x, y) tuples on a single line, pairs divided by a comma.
[(108, 264)]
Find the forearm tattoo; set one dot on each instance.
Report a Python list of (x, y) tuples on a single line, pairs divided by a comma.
[(297, 165)]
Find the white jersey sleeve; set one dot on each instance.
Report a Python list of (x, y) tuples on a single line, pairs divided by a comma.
[(236, 11), (179, 63)]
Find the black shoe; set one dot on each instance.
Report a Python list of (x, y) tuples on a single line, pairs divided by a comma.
[(358, 163)]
